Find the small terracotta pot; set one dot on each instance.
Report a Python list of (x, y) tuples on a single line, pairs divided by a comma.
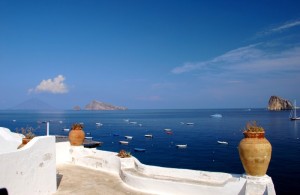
[(76, 137), (24, 142)]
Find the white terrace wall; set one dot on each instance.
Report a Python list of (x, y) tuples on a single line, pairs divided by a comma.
[(31, 169)]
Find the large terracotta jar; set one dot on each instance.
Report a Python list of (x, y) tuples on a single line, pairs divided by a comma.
[(76, 135), (255, 153)]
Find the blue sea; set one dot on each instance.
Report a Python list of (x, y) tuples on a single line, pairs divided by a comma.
[(202, 152)]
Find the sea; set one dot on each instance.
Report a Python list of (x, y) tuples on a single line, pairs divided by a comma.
[(194, 127)]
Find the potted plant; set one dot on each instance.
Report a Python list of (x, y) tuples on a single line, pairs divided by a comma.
[(76, 135), (28, 135), (255, 150), (123, 154)]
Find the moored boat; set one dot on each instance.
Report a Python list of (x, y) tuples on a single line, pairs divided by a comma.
[(222, 142), (216, 115), (293, 114), (181, 145), (128, 137), (149, 135), (189, 123), (124, 142), (139, 149)]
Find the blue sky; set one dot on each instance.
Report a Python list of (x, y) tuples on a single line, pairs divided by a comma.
[(149, 54)]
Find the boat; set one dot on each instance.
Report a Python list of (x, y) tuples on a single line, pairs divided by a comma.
[(90, 138), (66, 129), (293, 114), (139, 149), (222, 142), (99, 124), (128, 137), (189, 123), (124, 142), (149, 135), (181, 145), (216, 115), (168, 130)]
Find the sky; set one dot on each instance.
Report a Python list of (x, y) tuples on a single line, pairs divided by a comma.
[(149, 54)]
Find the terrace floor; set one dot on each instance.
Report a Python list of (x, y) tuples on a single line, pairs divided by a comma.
[(78, 180)]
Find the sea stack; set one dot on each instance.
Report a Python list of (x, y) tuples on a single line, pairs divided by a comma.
[(277, 103)]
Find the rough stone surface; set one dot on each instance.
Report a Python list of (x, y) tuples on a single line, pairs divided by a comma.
[(277, 103), (79, 180)]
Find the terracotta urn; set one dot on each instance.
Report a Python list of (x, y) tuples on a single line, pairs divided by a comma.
[(76, 135), (255, 153)]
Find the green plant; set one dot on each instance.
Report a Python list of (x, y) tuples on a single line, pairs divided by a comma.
[(124, 154), (77, 126), (252, 126)]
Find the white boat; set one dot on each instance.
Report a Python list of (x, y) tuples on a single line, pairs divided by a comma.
[(168, 130), (216, 115), (128, 137), (90, 138), (99, 124), (222, 142), (181, 145), (66, 129), (293, 114), (124, 142), (189, 123), (149, 135)]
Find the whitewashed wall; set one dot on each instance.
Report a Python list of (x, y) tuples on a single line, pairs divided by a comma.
[(31, 169)]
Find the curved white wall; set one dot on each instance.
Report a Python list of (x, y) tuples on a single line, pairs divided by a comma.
[(31, 169)]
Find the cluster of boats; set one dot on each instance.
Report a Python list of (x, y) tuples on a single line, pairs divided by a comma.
[(168, 131)]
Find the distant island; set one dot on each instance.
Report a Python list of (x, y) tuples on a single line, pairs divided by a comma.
[(33, 104), (277, 103), (96, 105)]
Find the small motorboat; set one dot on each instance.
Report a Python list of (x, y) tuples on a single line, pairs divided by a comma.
[(124, 142), (189, 123), (149, 135), (99, 124), (168, 130), (139, 149), (90, 138), (216, 115), (222, 142), (66, 129), (181, 145), (128, 137)]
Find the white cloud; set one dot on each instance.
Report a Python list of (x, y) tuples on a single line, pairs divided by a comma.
[(278, 29), (247, 61), (286, 26), (55, 85)]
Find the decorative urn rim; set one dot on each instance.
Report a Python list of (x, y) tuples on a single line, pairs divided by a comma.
[(248, 134)]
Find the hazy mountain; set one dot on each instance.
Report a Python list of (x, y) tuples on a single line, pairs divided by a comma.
[(33, 104)]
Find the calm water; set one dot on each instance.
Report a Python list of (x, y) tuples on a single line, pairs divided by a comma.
[(203, 151)]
